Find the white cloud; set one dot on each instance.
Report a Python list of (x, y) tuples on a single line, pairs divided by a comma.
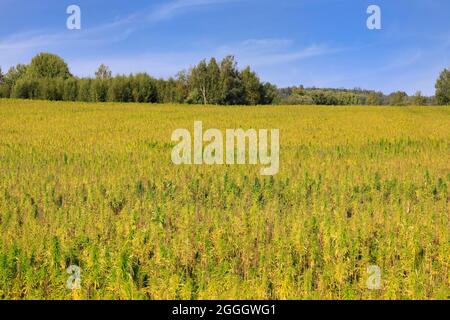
[(26, 40), (173, 8), (406, 59), (258, 53), (17, 47), (268, 52)]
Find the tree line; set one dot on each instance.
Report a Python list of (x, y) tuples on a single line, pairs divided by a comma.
[(48, 77), (314, 96)]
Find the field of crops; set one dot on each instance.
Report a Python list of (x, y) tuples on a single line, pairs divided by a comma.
[(93, 185)]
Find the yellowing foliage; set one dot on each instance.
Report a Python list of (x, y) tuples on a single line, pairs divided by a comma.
[(93, 185)]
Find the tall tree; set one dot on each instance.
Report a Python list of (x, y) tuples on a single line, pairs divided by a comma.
[(214, 81), (99, 90), (268, 93), (252, 87), (103, 72), (231, 84), (143, 88), (120, 89), (182, 86), (443, 88), (15, 73), (84, 90), (200, 81), (70, 89), (47, 65)]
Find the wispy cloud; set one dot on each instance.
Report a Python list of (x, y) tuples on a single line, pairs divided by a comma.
[(406, 59), (267, 52), (259, 53), (20, 45), (258, 45), (25, 40), (169, 10)]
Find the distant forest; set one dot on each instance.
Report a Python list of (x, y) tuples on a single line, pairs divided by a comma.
[(47, 77)]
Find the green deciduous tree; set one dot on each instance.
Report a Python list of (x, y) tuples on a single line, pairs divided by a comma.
[(200, 82), (50, 89), (84, 90), (15, 73), (103, 72), (204, 83), (26, 88), (374, 99), (231, 88), (99, 90), (47, 65), (101, 83), (143, 88), (443, 88), (214, 81), (252, 87), (182, 87), (4, 90), (120, 89), (70, 91), (418, 99), (268, 93), (398, 98)]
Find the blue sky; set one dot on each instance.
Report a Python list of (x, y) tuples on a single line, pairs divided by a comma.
[(323, 43)]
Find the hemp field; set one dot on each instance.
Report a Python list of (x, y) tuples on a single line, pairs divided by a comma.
[(93, 185)]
